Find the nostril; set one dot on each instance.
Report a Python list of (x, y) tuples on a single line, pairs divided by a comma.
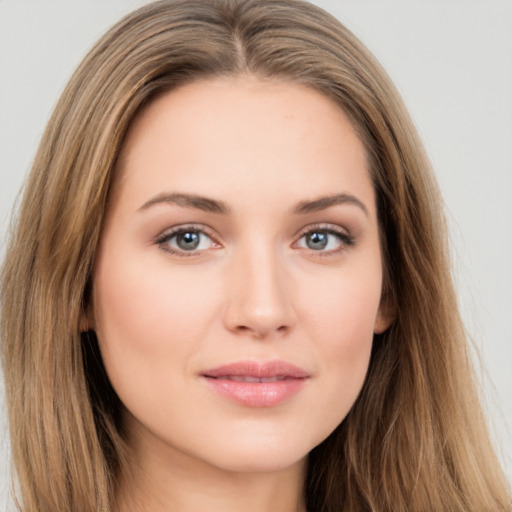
[(262, 311), (260, 332)]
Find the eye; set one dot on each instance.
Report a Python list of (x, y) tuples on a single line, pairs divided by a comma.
[(186, 241), (326, 240)]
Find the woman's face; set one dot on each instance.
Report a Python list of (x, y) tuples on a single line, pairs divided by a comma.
[(238, 278)]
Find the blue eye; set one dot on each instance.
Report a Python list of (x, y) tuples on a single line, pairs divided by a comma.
[(185, 240), (317, 241), (188, 241), (324, 240)]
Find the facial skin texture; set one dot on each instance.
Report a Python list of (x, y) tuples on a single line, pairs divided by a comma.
[(254, 290)]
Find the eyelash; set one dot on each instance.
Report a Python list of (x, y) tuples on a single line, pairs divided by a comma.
[(163, 240), (345, 239)]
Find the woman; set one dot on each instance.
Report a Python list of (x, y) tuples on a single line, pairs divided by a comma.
[(229, 285)]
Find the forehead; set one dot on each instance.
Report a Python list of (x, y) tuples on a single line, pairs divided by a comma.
[(243, 132)]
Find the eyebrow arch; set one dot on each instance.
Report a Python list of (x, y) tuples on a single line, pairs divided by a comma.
[(188, 201), (326, 202)]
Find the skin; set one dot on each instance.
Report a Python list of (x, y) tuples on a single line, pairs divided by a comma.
[(256, 288)]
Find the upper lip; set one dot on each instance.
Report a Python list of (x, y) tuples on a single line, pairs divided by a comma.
[(257, 369)]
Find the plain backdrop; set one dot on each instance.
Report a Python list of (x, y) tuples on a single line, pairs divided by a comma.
[(452, 62)]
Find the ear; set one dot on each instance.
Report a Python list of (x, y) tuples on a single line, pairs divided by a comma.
[(385, 316), (87, 322)]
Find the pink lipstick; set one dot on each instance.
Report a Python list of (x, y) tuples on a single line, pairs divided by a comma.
[(256, 384)]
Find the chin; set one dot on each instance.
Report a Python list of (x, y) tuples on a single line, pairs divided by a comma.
[(263, 453), (255, 461)]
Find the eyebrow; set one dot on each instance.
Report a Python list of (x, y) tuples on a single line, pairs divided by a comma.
[(214, 206), (323, 203), (188, 201)]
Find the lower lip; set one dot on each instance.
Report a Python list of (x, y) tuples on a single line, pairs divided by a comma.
[(257, 394)]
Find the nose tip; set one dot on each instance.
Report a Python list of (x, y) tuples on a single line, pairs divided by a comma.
[(260, 324), (259, 303)]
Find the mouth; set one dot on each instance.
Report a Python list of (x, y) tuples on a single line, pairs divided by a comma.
[(248, 378), (254, 384)]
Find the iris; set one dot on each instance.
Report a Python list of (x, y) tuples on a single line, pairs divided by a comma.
[(317, 240)]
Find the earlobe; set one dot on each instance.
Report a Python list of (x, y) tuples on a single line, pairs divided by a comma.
[(87, 320), (385, 317), (85, 325)]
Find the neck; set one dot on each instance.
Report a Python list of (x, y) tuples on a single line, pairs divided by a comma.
[(169, 481)]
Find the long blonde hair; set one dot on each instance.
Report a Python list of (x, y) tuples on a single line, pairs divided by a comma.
[(415, 440)]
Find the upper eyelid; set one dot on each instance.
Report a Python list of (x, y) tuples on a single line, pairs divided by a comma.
[(180, 228), (211, 233), (325, 226), (334, 228)]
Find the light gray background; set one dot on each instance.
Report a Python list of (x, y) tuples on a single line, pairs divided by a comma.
[(452, 61)]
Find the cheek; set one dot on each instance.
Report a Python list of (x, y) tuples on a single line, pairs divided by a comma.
[(345, 305), (342, 325), (147, 317)]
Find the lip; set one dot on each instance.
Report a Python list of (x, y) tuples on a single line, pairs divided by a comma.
[(255, 384)]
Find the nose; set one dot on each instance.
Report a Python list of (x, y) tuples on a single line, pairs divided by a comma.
[(259, 299)]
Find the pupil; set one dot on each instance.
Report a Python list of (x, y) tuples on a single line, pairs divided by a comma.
[(317, 241), (188, 240)]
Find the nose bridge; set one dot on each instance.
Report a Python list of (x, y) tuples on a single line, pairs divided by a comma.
[(259, 300)]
